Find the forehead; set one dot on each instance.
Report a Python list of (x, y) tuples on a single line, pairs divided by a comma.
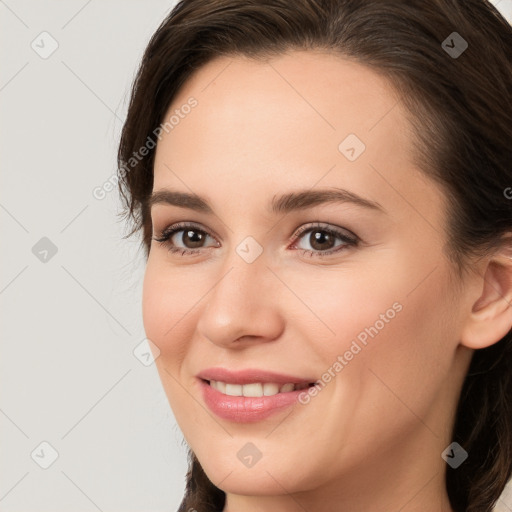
[(300, 117), (299, 104), (308, 80)]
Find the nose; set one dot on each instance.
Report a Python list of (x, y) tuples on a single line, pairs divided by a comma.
[(243, 306)]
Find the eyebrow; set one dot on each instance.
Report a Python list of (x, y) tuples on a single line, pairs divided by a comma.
[(298, 200)]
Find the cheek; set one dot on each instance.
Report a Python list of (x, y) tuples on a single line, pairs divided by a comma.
[(394, 364), (393, 338), (347, 306), (168, 301)]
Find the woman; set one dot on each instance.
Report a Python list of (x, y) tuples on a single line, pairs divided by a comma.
[(373, 373)]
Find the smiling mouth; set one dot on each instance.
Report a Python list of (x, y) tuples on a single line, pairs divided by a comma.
[(256, 389)]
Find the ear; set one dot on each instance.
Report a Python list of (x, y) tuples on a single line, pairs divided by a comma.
[(490, 318)]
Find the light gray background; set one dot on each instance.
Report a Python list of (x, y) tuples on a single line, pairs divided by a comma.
[(70, 324)]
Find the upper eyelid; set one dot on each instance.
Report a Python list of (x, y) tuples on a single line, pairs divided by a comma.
[(174, 228), (179, 226), (326, 226)]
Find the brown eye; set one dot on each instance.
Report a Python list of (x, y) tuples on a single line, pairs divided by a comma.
[(324, 240), (192, 238), (321, 240), (184, 238)]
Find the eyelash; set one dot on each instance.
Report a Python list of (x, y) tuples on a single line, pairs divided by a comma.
[(348, 241)]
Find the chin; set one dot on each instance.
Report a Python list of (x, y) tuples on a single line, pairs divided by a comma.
[(264, 478), (249, 482)]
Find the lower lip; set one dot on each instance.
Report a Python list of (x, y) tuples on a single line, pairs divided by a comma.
[(244, 409)]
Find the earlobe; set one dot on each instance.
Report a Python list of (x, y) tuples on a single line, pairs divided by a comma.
[(490, 318)]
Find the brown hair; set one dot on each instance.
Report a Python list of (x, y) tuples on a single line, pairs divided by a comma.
[(461, 111)]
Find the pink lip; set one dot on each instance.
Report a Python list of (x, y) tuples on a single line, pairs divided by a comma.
[(249, 376), (242, 409)]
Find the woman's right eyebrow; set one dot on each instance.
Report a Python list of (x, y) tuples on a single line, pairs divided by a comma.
[(292, 201), (181, 199)]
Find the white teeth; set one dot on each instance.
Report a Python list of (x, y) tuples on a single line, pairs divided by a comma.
[(270, 389), (256, 389), (252, 389), (233, 390), (287, 388)]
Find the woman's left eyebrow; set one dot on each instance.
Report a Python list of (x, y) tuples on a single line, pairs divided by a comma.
[(296, 200), (303, 199)]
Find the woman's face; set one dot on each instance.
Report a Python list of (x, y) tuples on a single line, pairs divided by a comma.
[(318, 256)]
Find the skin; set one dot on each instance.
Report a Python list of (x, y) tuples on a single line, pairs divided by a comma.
[(372, 438)]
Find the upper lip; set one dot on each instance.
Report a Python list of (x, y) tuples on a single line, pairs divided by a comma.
[(249, 376)]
